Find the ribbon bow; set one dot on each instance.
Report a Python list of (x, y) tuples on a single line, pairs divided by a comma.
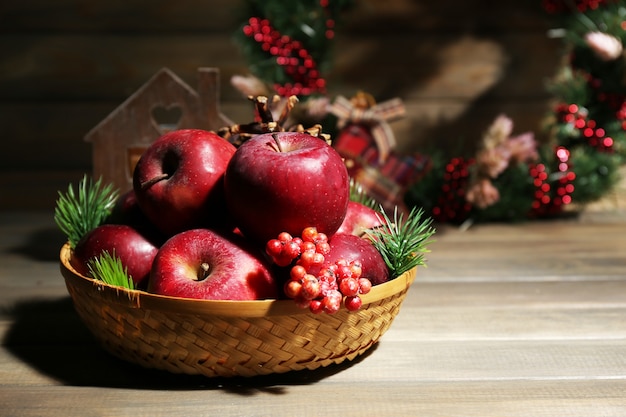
[(375, 116)]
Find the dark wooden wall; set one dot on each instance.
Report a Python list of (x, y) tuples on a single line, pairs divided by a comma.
[(66, 64)]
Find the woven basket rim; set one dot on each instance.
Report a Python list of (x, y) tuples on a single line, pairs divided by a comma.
[(253, 308)]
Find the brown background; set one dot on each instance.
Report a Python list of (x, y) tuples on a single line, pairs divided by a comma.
[(65, 65)]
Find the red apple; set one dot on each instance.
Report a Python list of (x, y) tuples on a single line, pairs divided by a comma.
[(359, 218), (135, 251), (203, 264), (285, 182), (351, 248), (179, 180)]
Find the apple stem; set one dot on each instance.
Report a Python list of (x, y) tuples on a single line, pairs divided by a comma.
[(203, 273), (154, 180), (277, 142)]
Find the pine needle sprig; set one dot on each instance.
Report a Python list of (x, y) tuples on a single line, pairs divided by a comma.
[(109, 269), (403, 242), (77, 213), (358, 194)]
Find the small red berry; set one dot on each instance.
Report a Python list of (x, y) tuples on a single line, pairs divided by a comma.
[(309, 234), (353, 303), (356, 269), (292, 289), (349, 287), (365, 285), (311, 287), (310, 258), (273, 247), (343, 271), (321, 238), (316, 306), (332, 302), (341, 262), (291, 250), (333, 268), (307, 246), (297, 272), (285, 237), (323, 248)]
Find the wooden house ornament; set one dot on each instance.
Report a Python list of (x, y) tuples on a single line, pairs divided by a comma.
[(162, 104)]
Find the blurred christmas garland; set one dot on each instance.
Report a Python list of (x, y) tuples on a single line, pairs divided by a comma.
[(512, 178), (287, 45)]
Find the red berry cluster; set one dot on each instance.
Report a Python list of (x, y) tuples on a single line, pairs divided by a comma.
[(578, 118), (313, 285), (291, 55), (451, 204), (546, 202)]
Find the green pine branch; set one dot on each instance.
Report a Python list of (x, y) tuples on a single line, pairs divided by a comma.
[(403, 242), (78, 212)]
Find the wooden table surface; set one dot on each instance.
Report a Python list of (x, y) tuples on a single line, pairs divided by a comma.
[(507, 320)]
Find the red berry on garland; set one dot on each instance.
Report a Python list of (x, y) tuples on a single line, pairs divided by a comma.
[(451, 205), (551, 197)]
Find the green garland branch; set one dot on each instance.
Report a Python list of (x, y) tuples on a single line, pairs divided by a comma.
[(287, 44), (580, 162), (510, 177)]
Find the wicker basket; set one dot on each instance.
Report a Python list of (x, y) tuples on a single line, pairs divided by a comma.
[(228, 338)]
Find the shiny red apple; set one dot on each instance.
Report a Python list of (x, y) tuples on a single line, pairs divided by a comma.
[(285, 182), (179, 180), (135, 251), (203, 264), (351, 248), (359, 218)]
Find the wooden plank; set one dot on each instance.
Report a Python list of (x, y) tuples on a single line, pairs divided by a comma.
[(545, 345), (529, 252), (106, 67), (35, 190), (459, 382), (131, 16), (192, 15), (112, 66), (413, 360), (538, 399), (568, 399), (405, 16)]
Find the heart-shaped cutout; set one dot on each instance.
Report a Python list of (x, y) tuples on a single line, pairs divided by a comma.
[(167, 118)]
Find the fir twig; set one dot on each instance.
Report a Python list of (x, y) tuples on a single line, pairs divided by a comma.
[(358, 194), (77, 213), (403, 243), (109, 269)]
